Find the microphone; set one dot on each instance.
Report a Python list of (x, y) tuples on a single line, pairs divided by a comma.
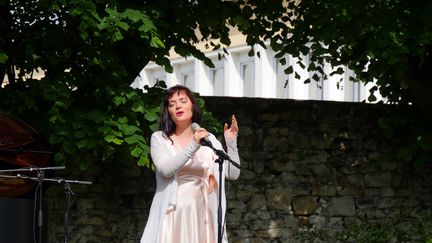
[(204, 141)]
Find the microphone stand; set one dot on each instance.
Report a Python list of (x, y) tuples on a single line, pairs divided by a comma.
[(221, 157), (40, 178), (219, 153), (68, 192), (219, 210)]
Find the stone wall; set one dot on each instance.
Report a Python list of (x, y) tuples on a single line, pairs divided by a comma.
[(308, 172)]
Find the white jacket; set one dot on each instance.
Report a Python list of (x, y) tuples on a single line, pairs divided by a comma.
[(167, 163)]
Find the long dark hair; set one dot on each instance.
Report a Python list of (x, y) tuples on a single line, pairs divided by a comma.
[(166, 124)]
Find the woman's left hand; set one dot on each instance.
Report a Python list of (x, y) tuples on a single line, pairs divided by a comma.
[(232, 131)]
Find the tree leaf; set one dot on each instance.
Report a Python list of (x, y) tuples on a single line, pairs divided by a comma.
[(143, 161), (129, 129), (289, 70), (136, 152), (151, 116), (3, 57), (406, 154), (134, 15), (123, 25)]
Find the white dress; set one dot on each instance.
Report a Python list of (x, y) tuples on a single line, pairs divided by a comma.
[(168, 161), (191, 220)]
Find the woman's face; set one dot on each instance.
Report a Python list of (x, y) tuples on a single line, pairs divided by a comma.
[(180, 108)]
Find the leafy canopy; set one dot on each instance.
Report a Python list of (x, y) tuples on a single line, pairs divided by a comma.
[(387, 42), (91, 50)]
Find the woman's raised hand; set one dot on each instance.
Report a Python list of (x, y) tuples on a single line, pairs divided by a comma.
[(232, 131)]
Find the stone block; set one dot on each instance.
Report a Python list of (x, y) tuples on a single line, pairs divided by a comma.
[(284, 131), (351, 190), (365, 203), (290, 221), (336, 222), (242, 196), (92, 220), (342, 206), (378, 179), (297, 140), (271, 117), (282, 165), (369, 167), (257, 166), (273, 233), (257, 201), (259, 240), (351, 221), (324, 173), (316, 158), (320, 141), (317, 221), (389, 165), (288, 179), (323, 190), (304, 205), (296, 155), (234, 216), (303, 170), (279, 198), (85, 204), (103, 233), (301, 189), (372, 192), (387, 192), (246, 174), (235, 204), (356, 180)]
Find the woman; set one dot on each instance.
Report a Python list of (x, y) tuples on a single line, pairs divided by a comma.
[(184, 207)]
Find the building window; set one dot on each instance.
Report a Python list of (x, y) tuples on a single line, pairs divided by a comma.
[(187, 79), (217, 81), (248, 77), (356, 91)]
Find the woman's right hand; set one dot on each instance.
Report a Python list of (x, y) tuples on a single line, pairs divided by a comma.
[(199, 134)]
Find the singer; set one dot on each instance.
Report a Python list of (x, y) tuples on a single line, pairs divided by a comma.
[(184, 207)]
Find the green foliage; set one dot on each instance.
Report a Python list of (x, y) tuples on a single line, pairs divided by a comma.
[(403, 127), (89, 52), (115, 125), (384, 41)]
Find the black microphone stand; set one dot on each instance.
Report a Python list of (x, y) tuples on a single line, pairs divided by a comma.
[(222, 156), (40, 178), (219, 153), (68, 192), (219, 212)]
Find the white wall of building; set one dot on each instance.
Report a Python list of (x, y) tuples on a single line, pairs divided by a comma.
[(262, 75)]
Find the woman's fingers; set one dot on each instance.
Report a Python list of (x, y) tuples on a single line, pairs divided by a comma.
[(200, 134), (234, 126)]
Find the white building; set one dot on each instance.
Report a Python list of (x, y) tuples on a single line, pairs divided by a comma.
[(239, 74)]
